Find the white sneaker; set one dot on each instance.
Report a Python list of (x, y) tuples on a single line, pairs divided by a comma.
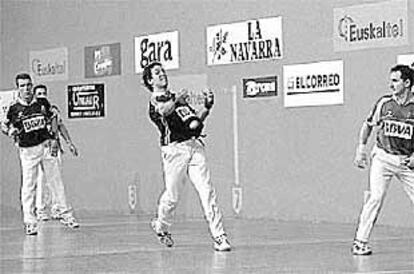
[(361, 248), (30, 229), (42, 216), (69, 222), (56, 214), (221, 243), (163, 236)]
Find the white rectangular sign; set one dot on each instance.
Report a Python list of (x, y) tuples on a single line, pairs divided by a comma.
[(313, 84), (371, 26), (6, 99), (247, 41), (406, 59), (161, 47), (49, 65)]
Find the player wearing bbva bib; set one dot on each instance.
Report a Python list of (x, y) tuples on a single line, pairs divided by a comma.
[(392, 155), (27, 122)]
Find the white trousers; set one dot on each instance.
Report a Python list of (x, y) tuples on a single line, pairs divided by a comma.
[(43, 193), (384, 167), (53, 187), (182, 160), (32, 159)]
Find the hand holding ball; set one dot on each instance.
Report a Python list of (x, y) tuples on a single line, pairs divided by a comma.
[(194, 125)]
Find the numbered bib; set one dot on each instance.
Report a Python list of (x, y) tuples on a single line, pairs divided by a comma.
[(185, 113)]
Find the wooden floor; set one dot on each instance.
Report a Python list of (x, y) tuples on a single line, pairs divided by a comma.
[(125, 244)]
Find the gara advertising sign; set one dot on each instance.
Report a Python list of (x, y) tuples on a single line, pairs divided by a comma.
[(86, 101), (253, 40), (161, 47)]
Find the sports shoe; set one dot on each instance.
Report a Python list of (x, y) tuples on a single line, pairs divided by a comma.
[(221, 243), (56, 214), (30, 229), (42, 216), (361, 248), (163, 236), (70, 222)]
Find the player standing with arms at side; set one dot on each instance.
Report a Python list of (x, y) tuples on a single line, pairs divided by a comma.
[(59, 207), (393, 153), (183, 155)]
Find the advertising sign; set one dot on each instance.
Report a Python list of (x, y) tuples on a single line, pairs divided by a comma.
[(49, 65), (313, 84), (371, 26), (252, 40), (103, 60), (86, 101), (6, 99), (161, 47), (260, 87)]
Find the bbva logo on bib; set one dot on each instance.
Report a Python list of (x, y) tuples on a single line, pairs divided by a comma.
[(398, 129), (34, 123)]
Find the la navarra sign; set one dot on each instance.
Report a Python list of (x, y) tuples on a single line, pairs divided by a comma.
[(252, 40), (256, 47)]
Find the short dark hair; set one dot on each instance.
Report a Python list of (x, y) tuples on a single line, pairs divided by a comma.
[(406, 73), (22, 76), (147, 76), (39, 86)]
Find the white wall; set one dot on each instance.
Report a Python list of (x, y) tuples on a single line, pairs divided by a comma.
[(296, 164)]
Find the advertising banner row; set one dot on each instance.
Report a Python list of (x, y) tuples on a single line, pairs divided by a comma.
[(311, 84), (354, 27), (320, 83)]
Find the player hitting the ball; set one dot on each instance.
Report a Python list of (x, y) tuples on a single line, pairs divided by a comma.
[(183, 155), (393, 152)]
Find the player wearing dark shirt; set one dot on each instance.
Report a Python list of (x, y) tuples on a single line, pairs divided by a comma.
[(183, 155), (174, 127), (27, 122), (30, 120)]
